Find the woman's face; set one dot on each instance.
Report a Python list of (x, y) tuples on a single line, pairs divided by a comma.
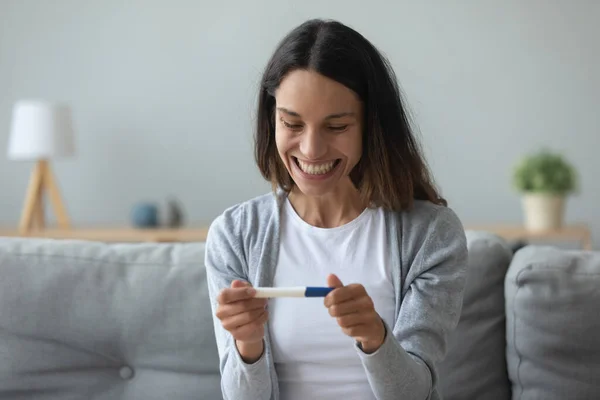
[(318, 131)]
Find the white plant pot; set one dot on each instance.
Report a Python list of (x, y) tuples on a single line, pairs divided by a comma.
[(543, 211)]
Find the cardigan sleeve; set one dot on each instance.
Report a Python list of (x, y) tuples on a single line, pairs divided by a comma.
[(405, 364), (225, 262)]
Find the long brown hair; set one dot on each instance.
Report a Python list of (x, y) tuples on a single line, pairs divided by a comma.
[(392, 171)]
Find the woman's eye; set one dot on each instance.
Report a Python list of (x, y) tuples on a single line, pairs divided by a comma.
[(339, 128), (291, 126), (298, 127)]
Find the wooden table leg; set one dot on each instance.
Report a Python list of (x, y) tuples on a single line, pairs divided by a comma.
[(39, 218), (34, 190)]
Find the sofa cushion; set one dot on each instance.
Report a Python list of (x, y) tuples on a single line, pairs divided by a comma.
[(475, 365), (83, 320), (553, 321)]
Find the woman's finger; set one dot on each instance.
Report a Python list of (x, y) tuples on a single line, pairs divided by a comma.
[(351, 306), (229, 310), (231, 295), (236, 321), (345, 293), (248, 330), (350, 320)]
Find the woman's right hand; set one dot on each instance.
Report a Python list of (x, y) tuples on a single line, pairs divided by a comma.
[(244, 317)]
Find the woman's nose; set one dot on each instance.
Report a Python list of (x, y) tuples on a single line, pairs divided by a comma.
[(313, 145)]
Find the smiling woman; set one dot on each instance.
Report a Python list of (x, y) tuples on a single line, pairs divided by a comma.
[(353, 201)]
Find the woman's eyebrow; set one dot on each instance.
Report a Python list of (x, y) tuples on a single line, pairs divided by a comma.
[(331, 116)]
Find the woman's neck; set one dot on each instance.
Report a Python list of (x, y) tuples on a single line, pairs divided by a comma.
[(334, 209)]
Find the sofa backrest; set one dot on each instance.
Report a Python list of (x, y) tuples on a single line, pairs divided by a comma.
[(553, 324), (83, 320), (475, 365)]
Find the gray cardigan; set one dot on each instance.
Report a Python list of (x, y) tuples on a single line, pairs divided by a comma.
[(429, 247)]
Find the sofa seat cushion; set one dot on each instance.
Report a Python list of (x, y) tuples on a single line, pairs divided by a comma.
[(475, 365), (553, 324), (84, 320)]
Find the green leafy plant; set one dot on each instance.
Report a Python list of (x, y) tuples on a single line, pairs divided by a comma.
[(545, 172)]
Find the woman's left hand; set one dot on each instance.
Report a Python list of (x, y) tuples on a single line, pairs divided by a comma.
[(355, 314)]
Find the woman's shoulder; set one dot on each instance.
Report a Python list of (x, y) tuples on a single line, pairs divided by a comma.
[(431, 223), (426, 212), (250, 216)]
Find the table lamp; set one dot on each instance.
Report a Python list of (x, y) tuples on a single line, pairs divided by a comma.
[(41, 131)]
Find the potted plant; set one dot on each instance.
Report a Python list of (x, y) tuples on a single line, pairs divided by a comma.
[(545, 179)]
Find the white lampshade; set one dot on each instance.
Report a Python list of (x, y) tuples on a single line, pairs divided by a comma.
[(40, 130)]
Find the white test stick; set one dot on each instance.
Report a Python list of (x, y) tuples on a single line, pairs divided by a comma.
[(296, 291)]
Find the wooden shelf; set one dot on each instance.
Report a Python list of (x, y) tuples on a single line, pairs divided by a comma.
[(580, 233), (196, 234)]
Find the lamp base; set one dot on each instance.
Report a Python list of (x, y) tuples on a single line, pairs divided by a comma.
[(41, 181)]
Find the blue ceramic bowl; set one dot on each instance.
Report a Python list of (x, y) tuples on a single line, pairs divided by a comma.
[(145, 215)]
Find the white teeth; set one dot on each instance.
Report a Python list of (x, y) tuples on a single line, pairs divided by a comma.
[(316, 169)]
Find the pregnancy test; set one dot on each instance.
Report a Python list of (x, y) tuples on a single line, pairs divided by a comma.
[(298, 291)]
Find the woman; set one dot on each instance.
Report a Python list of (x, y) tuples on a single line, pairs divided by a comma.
[(354, 208)]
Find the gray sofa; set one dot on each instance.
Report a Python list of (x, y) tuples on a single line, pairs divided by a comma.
[(530, 325), (82, 320), (85, 320)]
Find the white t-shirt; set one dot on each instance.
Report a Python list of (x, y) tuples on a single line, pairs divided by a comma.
[(313, 358)]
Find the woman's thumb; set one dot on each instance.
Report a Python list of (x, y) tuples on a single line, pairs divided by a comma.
[(333, 281), (239, 284)]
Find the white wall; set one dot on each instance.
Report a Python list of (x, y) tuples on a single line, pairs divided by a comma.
[(163, 94)]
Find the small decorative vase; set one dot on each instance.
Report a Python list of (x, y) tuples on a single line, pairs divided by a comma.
[(175, 215), (145, 215), (543, 212)]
